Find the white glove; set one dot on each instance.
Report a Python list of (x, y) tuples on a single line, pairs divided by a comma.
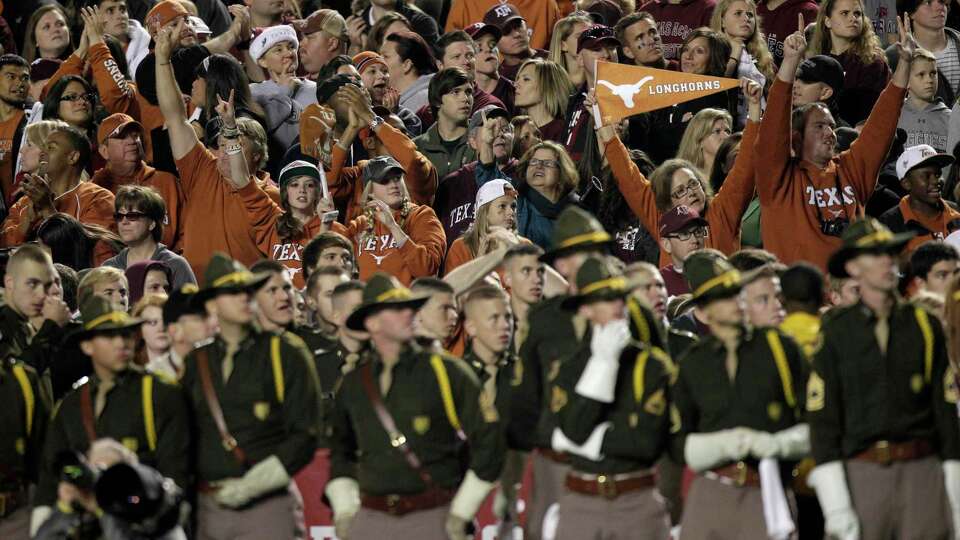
[(951, 480), (267, 476), (470, 495), (39, 515), (456, 527), (599, 378), (344, 496), (791, 443), (590, 449), (704, 451), (830, 482)]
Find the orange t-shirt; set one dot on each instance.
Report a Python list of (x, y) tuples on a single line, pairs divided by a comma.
[(8, 160), (938, 226), (214, 218), (165, 184), (87, 203)]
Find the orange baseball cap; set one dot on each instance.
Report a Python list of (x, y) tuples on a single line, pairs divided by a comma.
[(114, 124), (363, 60), (162, 13)]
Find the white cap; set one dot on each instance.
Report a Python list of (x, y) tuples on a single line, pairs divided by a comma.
[(493, 190), (198, 26), (921, 154), (270, 37)]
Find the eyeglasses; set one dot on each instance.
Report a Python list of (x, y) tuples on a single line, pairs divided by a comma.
[(691, 187), (545, 163), (89, 98), (132, 216), (685, 236)]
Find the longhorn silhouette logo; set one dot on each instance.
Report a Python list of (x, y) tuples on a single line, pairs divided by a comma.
[(626, 92)]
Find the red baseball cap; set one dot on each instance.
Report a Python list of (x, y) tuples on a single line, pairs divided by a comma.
[(679, 218)]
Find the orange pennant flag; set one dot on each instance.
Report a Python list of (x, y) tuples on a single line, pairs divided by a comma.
[(624, 90)]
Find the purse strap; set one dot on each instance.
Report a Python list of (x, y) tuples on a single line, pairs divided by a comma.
[(397, 439), (210, 396)]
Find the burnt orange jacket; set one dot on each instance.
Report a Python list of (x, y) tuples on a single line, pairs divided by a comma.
[(87, 203), (796, 195), (263, 214), (213, 218), (937, 226), (165, 184), (346, 183), (723, 212), (419, 256)]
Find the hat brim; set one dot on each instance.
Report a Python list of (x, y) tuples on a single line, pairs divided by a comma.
[(81, 334), (359, 316), (723, 291), (488, 29), (553, 254), (592, 43), (383, 174), (573, 303), (250, 286), (937, 160), (695, 221), (837, 264)]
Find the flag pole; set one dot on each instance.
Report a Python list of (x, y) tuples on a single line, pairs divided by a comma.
[(597, 119)]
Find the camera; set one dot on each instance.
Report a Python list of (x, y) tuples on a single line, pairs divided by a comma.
[(834, 227), (140, 499)]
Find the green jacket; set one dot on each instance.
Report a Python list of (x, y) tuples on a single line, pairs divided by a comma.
[(432, 397), (766, 394), (24, 415), (37, 352), (857, 396), (127, 419), (271, 407), (639, 414), (445, 160)]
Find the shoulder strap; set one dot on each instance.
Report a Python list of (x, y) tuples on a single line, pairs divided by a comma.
[(149, 426), (28, 397), (923, 321), (436, 362), (638, 368), (86, 413), (780, 357), (397, 439), (643, 329), (210, 396), (277, 367)]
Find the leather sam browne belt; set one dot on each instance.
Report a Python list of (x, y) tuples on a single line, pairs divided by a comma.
[(738, 474), (886, 452), (610, 486), (398, 505), (554, 456)]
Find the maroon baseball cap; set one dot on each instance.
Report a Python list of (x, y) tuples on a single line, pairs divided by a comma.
[(595, 37), (679, 218), (476, 30), (502, 15), (605, 12)]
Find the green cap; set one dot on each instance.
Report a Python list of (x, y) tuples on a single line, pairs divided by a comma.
[(99, 316), (382, 291), (227, 276), (575, 230), (597, 281), (711, 276), (865, 236), (296, 169)]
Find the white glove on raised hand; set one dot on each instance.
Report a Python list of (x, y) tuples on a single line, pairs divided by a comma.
[(264, 477), (590, 449), (704, 451), (951, 480), (344, 496), (790, 443), (830, 483), (599, 378)]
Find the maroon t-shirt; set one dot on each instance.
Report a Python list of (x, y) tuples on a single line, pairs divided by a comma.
[(510, 72), (674, 280), (480, 100), (676, 21), (776, 25)]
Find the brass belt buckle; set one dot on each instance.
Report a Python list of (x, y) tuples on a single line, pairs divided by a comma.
[(882, 451), (607, 486), (229, 444), (742, 471), (392, 501), (397, 440)]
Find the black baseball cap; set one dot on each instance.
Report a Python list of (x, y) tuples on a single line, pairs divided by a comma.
[(380, 168), (595, 37), (822, 68)]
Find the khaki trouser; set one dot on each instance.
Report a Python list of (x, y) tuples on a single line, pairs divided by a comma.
[(548, 486), (716, 511), (635, 515), (423, 525), (905, 500), (16, 526), (278, 517)]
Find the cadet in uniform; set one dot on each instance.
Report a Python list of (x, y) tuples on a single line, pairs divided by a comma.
[(186, 323), (611, 402), (395, 431), (140, 410), (738, 398), (255, 403), (882, 404)]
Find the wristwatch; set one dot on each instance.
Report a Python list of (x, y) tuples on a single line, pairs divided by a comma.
[(375, 123)]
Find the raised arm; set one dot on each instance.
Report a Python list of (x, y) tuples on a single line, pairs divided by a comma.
[(632, 184), (182, 137), (116, 92)]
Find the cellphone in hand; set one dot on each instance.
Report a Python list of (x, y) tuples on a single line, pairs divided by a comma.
[(329, 217)]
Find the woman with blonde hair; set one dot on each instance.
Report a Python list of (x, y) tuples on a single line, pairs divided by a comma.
[(563, 45), (494, 224), (703, 137), (844, 32), (542, 92), (738, 21)]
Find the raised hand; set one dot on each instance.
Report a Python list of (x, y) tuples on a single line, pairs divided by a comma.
[(796, 43), (753, 93), (906, 45), (92, 24), (383, 214), (489, 130), (357, 31), (226, 111), (391, 98), (164, 41)]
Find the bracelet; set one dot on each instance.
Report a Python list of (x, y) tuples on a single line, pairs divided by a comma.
[(233, 149), (230, 132), (163, 63)]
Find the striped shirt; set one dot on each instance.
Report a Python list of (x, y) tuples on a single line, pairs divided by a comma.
[(948, 62)]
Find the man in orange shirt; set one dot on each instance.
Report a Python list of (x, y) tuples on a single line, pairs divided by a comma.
[(66, 154), (540, 15), (120, 139), (923, 210), (14, 87)]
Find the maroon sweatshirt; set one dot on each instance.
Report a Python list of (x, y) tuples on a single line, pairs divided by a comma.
[(776, 25), (675, 21), (480, 100)]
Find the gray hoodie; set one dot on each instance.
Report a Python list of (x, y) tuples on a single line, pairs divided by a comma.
[(415, 96), (927, 126)]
